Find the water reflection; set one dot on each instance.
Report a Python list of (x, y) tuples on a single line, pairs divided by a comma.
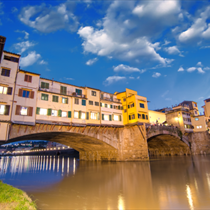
[(66, 183)]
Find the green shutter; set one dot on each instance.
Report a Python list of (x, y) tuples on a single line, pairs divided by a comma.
[(98, 115), (37, 110), (59, 113), (110, 117), (49, 112), (101, 104), (129, 117), (102, 116), (120, 117), (111, 106), (69, 114), (80, 114), (128, 106), (87, 115), (47, 85)]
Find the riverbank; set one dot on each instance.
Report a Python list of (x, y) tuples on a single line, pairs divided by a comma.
[(13, 198)]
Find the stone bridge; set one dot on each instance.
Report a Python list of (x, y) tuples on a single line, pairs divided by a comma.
[(109, 143)]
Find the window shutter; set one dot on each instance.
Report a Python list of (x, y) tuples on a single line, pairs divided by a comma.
[(7, 108), (111, 106), (30, 78), (9, 91), (101, 104), (120, 118), (49, 111), (98, 115), (37, 110), (119, 107), (69, 114), (30, 111), (47, 85), (31, 95), (59, 113), (102, 116), (128, 106), (17, 112), (87, 115), (129, 117), (110, 117), (26, 78), (20, 92), (80, 114)]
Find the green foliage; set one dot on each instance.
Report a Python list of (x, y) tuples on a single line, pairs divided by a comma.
[(179, 132), (13, 198)]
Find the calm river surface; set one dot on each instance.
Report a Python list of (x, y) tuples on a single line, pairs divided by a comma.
[(67, 183)]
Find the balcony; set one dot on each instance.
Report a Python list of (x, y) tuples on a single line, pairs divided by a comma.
[(111, 99)]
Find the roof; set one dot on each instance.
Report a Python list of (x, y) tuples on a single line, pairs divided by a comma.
[(29, 72), (12, 53), (187, 102), (207, 100)]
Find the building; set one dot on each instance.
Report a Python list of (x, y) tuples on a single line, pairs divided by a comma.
[(156, 117), (193, 107), (9, 65), (199, 123), (134, 107), (180, 117)]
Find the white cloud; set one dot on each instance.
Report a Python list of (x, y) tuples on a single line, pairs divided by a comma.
[(14, 9), (48, 19), (156, 74), (199, 64), (200, 70), (172, 50), (42, 62), (181, 68), (91, 61), (199, 29), (200, 98), (30, 59), (68, 78), (206, 68), (166, 42), (191, 69), (138, 77), (165, 93), (125, 68), (112, 79), (26, 33), (23, 46), (125, 34), (131, 77)]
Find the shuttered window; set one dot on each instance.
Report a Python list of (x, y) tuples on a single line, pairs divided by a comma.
[(63, 90), (28, 78), (21, 110), (44, 97), (55, 98), (26, 93), (5, 72), (45, 85), (83, 102)]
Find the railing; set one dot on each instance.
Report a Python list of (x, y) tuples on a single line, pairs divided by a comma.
[(111, 99), (67, 93)]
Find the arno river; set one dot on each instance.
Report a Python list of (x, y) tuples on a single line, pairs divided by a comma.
[(67, 183)]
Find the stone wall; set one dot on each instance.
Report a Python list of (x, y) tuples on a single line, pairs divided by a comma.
[(199, 143)]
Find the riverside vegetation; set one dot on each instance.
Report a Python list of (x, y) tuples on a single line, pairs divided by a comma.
[(13, 198)]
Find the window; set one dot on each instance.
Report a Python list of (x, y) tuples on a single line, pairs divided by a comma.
[(54, 113), (10, 58), (147, 117), (196, 112), (4, 109), (116, 117), (45, 85), (5, 72), (131, 105), (76, 114), (124, 99), (199, 126), (96, 103), (90, 102), (139, 116), (93, 116), (64, 100), (141, 105), (83, 102), (43, 111), (93, 93), (76, 101), (196, 119), (106, 117), (79, 92), (64, 114), (44, 97), (28, 78), (5, 90), (63, 90), (25, 111), (26, 93), (83, 115), (189, 120), (143, 116), (105, 105), (102, 96), (55, 98), (133, 116), (125, 110), (195, 105)]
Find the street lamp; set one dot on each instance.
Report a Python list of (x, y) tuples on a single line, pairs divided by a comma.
[(177, 119)]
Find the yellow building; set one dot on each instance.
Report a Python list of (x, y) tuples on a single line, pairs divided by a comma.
[(199, 123), (193, 107), (156, 117), (135, 107)]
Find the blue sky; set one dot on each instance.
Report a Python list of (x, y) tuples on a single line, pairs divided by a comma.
[(158, 48)]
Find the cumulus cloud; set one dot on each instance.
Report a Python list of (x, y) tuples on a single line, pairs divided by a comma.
[(199, 64), (91, 61), (206, 68), (199, 29), (112, 79), (24, 32), (181, 68), (125, 33), (23, 46), (125, 69), (172, 50), (30, 59), (48, 19), (200, 70), (131, 77), (156, 74), (42, 62)]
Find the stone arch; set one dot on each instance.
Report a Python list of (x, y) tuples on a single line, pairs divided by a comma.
[(167, 145)]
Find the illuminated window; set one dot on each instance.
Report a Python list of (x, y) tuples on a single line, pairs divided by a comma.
[(103, 105), (116, 118), (108, 105), (76, 114), (64, 100), (43, 111), (3, 90), (54, 113), (196, 119), (64, 114), (106, 117), (93, 116), (2, 109), (23, 110), (83, 115), (199, 126)]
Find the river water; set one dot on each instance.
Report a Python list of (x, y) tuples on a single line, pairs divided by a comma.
[(67, 183)]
